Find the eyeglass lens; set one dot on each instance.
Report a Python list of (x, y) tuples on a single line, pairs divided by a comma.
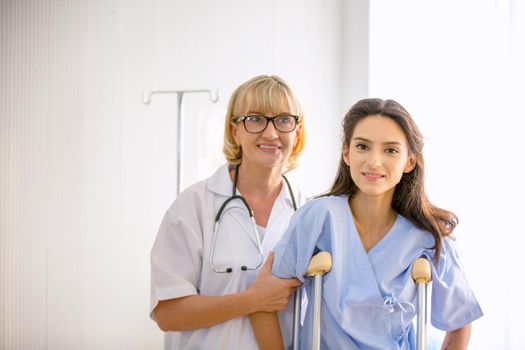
[(258, 123)]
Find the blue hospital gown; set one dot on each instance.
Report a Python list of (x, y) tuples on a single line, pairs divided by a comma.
[(369, 298)]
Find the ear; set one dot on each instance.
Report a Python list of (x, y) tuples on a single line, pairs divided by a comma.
[(346, 156), (297, 133), (411, 164)]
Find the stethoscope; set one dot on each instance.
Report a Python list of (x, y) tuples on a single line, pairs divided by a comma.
[(252, 218)]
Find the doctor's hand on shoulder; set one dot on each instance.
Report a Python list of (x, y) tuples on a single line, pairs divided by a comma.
[(269, 292)]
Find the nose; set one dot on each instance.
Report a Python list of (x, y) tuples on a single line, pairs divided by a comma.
[(270, 132), (375, 159)]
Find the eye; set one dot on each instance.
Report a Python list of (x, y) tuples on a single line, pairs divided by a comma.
[(361, 146), (284, 119), (391, 150), (256, 119)]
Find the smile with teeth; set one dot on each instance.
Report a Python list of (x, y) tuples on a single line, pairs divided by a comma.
[(269, 147), (372, 176)]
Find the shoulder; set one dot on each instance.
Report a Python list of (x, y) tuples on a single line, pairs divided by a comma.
[(410, 228), (293, 193), (416, 241), (449, 250), (300, 197), (190, 196), (323, 206), (202, 193), (423, 240)]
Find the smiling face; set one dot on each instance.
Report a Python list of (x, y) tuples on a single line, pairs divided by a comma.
[(378, 156), (269, 148), (267, 96)]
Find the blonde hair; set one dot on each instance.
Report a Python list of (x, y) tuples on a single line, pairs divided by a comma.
[(265, 94)]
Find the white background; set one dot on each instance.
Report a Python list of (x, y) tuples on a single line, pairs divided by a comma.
[(459, 68), (87, 170)]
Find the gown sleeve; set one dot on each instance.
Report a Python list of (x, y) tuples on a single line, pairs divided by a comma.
[(454, 305), (176, 256), (305, 236)]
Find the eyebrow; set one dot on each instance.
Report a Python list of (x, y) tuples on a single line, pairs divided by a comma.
[(384, 143)]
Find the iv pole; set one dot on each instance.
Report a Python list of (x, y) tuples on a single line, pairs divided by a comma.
[(146, 99)]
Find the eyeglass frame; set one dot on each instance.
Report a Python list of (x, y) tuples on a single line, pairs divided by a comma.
[(268, 120)]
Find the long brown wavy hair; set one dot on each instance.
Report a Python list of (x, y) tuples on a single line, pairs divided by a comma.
[(410, 199)]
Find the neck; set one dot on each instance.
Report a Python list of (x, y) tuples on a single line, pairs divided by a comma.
[(373, 215), (264, 182)]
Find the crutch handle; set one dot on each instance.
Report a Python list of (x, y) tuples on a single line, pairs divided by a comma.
[(321, 263), (421, 271)]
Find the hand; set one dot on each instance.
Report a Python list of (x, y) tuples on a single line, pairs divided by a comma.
[(271, 293)]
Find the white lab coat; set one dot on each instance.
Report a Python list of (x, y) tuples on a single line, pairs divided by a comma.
[(180, 258)]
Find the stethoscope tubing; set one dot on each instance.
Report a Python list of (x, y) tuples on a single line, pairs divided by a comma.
[(252, 219)]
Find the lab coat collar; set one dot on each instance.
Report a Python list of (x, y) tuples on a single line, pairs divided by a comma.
[(221, 183)]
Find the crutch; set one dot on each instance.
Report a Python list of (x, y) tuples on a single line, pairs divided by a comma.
[(320, 264), (422, 276)]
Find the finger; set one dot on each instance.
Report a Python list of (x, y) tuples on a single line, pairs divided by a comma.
[(294, 282), (269, 262)]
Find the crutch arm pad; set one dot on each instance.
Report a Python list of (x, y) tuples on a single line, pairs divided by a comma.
[(321, 263)]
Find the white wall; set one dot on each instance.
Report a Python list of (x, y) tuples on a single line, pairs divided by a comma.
[(457, 66), (87, 170), (356, 52)]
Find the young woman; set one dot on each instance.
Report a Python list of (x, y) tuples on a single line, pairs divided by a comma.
[(375, 221), (207, 272)]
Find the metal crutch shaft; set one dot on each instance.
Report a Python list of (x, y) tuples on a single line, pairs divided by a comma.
[(296, 319), (320, 264), (422, 275)]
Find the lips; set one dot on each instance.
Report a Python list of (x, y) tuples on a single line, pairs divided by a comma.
[(269, 147), (373, 176)]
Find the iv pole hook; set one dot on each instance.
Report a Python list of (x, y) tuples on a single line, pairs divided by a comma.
[(146, 99)]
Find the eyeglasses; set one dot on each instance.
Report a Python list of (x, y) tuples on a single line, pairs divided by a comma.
[(255, 124)]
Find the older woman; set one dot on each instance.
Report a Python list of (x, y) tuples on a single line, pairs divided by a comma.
[(207, 263)]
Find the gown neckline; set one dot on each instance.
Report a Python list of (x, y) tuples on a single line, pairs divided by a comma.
[(379, 243)]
